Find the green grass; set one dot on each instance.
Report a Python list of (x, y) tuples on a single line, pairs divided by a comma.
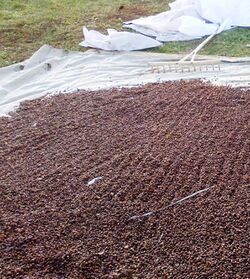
[(25, 25), (229, 43)]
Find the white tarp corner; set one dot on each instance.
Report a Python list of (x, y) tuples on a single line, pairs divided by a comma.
[(119, 41)]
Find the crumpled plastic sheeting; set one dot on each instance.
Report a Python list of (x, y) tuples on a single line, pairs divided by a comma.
[(51, 70), (194, 19), (117, 40), (186, 20), (217, 11), (173, 26)]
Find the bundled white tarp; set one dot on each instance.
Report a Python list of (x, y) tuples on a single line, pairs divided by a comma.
[(186, 20), (117, 40), (51, 70)]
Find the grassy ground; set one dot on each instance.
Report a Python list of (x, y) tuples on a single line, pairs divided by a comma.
[(25, 25)]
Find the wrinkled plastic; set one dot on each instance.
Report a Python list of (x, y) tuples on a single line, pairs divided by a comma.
[(217, 11), (186, 20), (195, 18), (51, 70), (117, 40)]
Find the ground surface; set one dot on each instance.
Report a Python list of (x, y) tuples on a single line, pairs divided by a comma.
[(152, 146), (27, 25)]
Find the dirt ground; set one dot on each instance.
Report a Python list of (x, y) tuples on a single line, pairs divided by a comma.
[(148, 148)]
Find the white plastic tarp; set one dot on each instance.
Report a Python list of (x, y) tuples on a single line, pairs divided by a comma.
[(117, 40), (186, 20), (51, 70)]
